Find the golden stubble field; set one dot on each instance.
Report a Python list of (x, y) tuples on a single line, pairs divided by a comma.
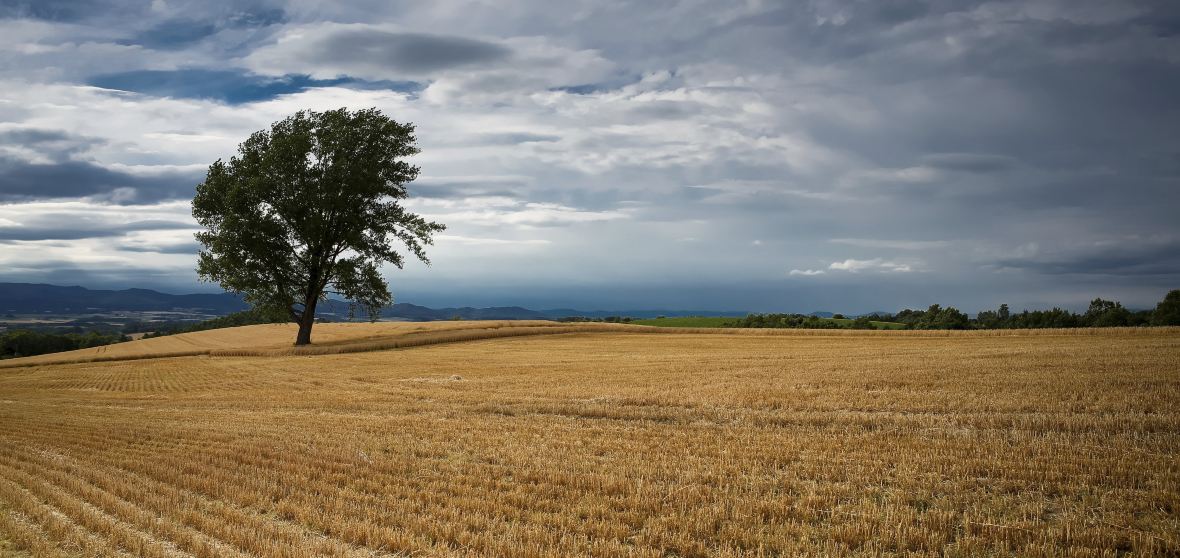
[(605, 443)]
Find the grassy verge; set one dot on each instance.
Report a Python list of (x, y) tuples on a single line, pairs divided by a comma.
[(690, 321)]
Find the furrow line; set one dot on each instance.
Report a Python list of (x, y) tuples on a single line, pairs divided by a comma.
[(237, 527), (27, 535), (70, 536), (89, 514), (113, 497)]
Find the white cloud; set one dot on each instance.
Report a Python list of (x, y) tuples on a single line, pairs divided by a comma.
[(90, 236), (160, 241), (485, 241), (875, 264), (82, 213), (499, 211), (807, 272)]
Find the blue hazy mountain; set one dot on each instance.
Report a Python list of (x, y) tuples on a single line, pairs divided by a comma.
[(35, 298)]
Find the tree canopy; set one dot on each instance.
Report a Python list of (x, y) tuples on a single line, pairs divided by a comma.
[(1167, 312), (311, 207)]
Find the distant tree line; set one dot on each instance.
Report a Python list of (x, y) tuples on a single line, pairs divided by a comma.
[(1100, 313), (25, 342), (802, 321), (253, 316)]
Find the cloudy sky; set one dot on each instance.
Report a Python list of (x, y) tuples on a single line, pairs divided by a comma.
[(605, 154)]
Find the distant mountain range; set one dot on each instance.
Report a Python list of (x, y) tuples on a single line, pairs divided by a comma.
[(29, 298)]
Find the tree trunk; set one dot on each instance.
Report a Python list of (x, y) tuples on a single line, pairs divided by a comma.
[(305, 322)]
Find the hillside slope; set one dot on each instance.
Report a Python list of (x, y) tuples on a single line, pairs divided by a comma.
[(276, 339)]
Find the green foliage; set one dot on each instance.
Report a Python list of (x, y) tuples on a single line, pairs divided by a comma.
[(1167, 312), (23, 342), (943, 318), (1100, 313), (934, 317), (311, 207), (1036, 319), (1106, 313), (791, 321), (863, 322), (802, 321)]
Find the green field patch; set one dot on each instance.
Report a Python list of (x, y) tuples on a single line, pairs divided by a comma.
[(691, 321), (732, 321)]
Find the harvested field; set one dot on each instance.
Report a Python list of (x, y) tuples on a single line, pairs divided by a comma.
[(276, 339), (337, 338), (602, 442)]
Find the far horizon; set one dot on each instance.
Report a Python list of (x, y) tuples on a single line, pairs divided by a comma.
[(542, 304)]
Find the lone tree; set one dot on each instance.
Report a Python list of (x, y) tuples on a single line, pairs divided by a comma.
[(308, 208)]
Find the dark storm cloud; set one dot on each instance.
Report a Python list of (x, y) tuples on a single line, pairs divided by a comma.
[(1132, 257), (32, 136), (70, 226), (24, 181), (172, 34), (403, 52), (584, 89), (55, 144), (969, 162), (1025, 117), (1162, 23), (227, 85)]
